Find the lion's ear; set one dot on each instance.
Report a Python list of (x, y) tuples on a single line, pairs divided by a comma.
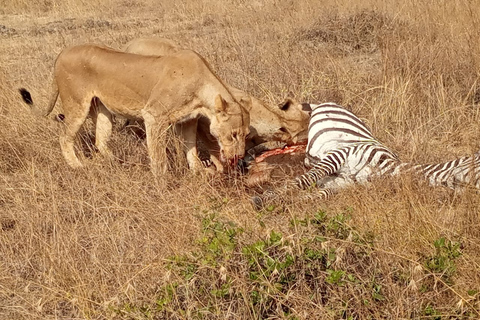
[(285, 105), (246, 102), (307, 108), (220, 104)]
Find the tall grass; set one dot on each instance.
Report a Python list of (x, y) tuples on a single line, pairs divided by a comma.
[(108, 241)]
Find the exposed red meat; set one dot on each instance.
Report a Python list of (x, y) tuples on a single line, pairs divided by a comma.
[(292, 149)]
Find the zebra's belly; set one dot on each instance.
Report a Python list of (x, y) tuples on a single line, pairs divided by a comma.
[(357, 171), (335, 182), (345, 177)]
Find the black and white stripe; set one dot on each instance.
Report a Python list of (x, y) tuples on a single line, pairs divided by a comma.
[(331, 128), (341, 151), (461, 172)]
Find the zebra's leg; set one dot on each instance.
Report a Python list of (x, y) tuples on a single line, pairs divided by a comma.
[(278, 196), (287, 191), (326, 167)]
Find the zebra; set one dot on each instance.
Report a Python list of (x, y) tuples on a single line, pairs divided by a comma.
[(342, 151)]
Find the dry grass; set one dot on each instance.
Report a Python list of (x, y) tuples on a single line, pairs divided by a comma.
[(108, 242)]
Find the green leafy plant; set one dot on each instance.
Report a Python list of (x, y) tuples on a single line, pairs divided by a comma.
[(335, 277), (432, 313), (218, 240), (443, 261)]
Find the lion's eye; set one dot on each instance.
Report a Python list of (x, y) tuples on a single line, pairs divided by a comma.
[(234, 135), (283, 129)]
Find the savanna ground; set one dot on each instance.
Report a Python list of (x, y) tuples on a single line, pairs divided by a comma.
[(109, 242)]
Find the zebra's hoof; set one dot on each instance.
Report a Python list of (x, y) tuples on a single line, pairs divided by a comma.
[(257, 202), (60, 117)]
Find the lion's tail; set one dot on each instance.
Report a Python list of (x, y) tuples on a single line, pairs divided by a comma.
[(27, 97)]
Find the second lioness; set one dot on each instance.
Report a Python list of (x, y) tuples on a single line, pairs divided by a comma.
[(287, 122), (159, 90)]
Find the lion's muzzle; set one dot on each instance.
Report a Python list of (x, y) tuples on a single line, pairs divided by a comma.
[(232, 159)]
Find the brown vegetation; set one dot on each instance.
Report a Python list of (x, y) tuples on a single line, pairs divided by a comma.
[(108, 242)]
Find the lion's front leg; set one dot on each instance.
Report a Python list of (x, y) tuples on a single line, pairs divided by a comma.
[(188, 132), (156, 130), (209, 141), (217, 163)]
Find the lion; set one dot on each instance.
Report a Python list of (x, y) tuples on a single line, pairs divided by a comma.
[(161, 91), (286, 123)]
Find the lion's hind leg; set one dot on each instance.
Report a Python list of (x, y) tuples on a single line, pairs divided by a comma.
[(102, 118), (75, 114)]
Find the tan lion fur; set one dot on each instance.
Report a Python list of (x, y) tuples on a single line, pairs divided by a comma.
[(286, 122), (161, 91)]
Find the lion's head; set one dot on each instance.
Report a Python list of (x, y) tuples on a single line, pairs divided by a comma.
[(294, 121), (287, 122), (230, 129)]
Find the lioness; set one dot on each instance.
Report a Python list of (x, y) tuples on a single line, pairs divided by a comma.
[(287, 122), (159, 90)]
